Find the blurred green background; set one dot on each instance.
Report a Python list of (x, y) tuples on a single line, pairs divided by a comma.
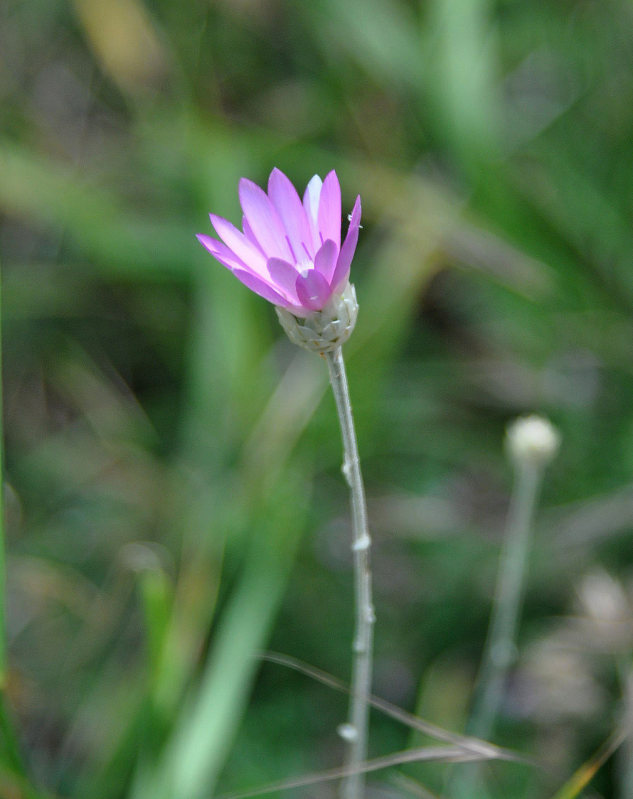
[(173, 497)]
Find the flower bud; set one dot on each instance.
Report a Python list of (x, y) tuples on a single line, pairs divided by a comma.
[(532, 440), (325, 330)]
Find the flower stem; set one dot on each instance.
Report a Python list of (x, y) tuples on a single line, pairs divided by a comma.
[(3, 621), (500, 647), (356, 730)]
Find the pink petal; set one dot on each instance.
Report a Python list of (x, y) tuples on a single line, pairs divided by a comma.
[(330, 210), (311, 206), (257, 285), (250, 235), (221, 252), (236, 241), (354, 217), (341, 273), (313, 291), (263, 220), (284, 276), (325, 259), (286, 200)]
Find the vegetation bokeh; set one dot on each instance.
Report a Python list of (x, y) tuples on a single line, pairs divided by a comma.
[(173, 498)]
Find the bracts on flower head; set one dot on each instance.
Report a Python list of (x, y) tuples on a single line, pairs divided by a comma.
[(323, 331)]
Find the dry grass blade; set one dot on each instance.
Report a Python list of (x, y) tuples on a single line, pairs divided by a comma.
[(412, 787), (583, 776), (471, 748), (446, 754)]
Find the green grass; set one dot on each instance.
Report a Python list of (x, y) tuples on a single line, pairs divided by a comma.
[(173, 502)]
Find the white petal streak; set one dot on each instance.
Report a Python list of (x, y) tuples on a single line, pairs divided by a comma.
[(311, 205)]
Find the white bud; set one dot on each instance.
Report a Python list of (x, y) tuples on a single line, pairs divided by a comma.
[(532, 440), (325, 330)]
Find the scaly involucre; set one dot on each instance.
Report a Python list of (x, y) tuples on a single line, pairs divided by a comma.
[(290, 251)]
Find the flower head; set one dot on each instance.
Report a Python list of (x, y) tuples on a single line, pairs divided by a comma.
[(532, 440), (290, 251)]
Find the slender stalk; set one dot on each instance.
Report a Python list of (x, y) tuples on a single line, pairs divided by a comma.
[(500, 647), (9, 746), (3, 644), (356, 730)]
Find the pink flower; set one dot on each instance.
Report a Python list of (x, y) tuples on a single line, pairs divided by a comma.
[(290, 252)]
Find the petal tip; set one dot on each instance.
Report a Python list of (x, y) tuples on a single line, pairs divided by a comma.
[(313, 290)]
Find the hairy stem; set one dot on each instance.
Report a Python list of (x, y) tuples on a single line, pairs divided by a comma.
[(355, 731)]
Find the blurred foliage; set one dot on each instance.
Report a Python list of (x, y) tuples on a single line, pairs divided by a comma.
[(173, 499)]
